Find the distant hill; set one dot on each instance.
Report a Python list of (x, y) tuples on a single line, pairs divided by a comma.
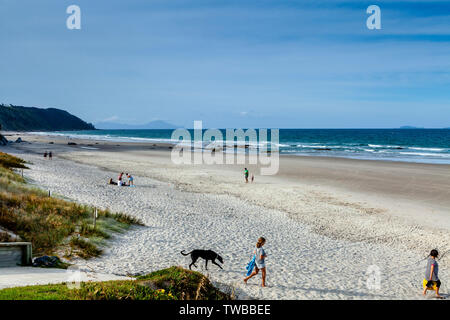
[(18, 118), (410, 127), (158, 124)]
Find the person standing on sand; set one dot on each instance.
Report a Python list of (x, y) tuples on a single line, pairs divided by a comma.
[(50, 155), (260, 264), (246, 175), (431, 274)]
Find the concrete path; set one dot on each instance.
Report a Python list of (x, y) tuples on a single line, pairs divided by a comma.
[(27, 276)]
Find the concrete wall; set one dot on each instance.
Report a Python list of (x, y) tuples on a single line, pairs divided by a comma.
[(15, 253)]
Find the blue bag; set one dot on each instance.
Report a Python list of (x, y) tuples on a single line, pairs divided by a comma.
[(251, 265)]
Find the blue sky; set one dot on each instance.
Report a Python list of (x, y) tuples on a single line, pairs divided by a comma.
[(259, 63)]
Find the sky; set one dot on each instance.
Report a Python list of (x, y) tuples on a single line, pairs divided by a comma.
[(231, 63)]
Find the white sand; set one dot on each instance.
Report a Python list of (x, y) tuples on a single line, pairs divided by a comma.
[(306, 260)]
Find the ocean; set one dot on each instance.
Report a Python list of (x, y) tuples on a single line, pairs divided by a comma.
[(411, 145)]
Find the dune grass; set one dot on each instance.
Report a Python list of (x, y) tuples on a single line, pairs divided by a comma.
[(48, 222), (174, 283), (8, 161)]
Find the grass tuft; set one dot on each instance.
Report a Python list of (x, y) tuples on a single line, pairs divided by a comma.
[(86, 248)]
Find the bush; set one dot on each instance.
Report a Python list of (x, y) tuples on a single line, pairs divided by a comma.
[(185, 284)]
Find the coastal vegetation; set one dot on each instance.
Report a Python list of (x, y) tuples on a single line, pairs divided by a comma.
[(51, 224), (18, 118), (174, 283)]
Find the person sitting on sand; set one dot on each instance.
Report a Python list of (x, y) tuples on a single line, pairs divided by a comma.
[(260, 256), (122, 183), (120, 177), (431, 274), (246, 175)]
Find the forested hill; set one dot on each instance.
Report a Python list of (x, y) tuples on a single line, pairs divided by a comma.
[(18, 118)]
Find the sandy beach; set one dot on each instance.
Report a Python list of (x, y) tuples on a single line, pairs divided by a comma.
[(328, 221)]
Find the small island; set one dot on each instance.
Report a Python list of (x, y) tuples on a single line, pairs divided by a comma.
[(410, 127)]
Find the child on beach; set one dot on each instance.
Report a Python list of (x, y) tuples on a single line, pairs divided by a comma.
[(431, 274), (260, 264), (130, 180), (246, 175)]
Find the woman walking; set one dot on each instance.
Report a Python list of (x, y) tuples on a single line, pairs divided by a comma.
[(260, 256)]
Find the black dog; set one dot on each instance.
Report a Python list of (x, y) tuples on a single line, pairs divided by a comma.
[(205, 254)]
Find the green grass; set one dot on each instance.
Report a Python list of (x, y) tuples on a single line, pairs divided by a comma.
[(49, 223), (45, 292), (174, 283)]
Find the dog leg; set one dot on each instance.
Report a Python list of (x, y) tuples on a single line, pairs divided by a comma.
[(194, 260), (214, 261), (206, 264)]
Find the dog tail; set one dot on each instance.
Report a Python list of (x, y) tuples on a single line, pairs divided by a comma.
[(185, 254)]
